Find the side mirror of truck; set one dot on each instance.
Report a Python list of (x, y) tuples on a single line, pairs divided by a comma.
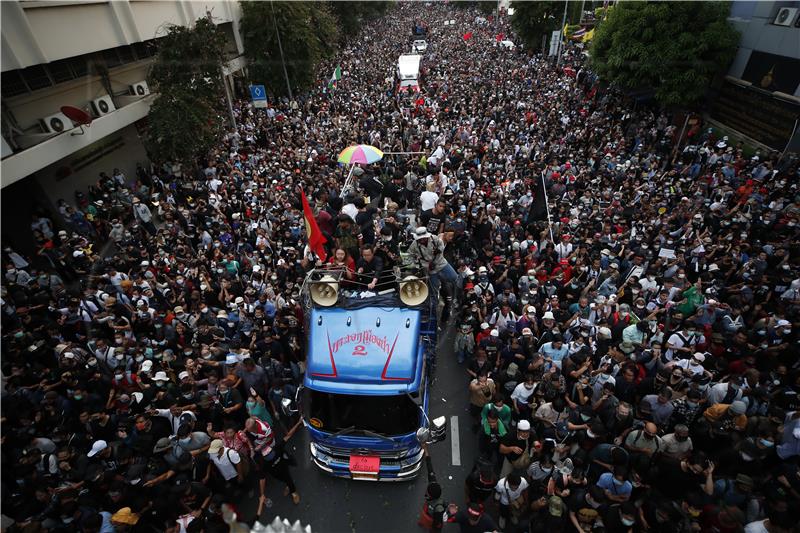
[(286, 406), (437, 431)]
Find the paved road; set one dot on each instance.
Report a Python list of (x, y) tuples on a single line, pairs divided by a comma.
[(342, 506)]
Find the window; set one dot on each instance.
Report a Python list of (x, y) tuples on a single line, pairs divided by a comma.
[(36, 77), (79, 66), (13, 84), (126, 54), (60, 71), (110, 58)]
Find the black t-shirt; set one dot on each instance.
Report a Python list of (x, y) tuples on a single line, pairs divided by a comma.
[(431, 220), (484, 523), (674, 481), (512, 439)]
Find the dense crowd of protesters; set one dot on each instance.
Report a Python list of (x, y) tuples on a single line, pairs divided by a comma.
[(630, 362)]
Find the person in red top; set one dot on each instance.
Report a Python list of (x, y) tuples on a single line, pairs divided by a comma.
[(340, 259), (563, 268)]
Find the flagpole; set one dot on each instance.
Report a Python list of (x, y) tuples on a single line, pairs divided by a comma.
[(547, 208), (347, 183)]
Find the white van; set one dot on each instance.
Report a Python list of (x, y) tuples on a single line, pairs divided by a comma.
[(408, 72)]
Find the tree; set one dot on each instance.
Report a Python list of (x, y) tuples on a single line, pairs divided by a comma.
[(532, 20), (673, 48), (186, 75), (351, 15), (308, 34)]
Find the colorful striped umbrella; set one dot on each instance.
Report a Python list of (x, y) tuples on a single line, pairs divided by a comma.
[(360, 153)]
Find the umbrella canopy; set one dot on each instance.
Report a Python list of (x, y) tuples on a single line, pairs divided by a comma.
[(360, 153)]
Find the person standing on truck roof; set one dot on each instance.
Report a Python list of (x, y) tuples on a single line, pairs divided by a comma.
[(427, 252)]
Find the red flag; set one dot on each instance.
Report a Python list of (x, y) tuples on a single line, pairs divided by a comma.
[(467, 36), (316, 240), (499, 37)]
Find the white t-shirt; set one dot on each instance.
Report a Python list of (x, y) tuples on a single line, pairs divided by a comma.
[(521, 393), (507, 494), (226, 463), (756, 527), (427, 200)]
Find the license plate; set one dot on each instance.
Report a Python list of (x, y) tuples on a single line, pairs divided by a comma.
[(365, 464), (368, 477)]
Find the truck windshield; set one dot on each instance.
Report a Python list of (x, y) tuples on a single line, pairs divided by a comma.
[(387, 415)]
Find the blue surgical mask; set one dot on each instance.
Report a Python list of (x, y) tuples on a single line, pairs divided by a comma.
[(766, 443)]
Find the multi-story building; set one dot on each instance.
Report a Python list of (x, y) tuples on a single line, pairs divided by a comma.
[(93, 55), (761, 94)]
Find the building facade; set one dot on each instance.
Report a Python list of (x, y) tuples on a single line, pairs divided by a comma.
[(761, 94), (94, 55)]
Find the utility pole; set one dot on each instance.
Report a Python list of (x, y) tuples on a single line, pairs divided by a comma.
[(563, 34), (280, 48)]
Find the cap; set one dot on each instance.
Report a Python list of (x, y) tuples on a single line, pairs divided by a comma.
[(531, 309), (215, 446), (484, 325), (782, 323), (421, 233), (147, 366), (494, 333), (164, 443), (125, 516), (161, 376), (699, 357), (738, 407), (548, 316), (523, 425), (183, 375), (527, 331), (97, 447), (222, 314)]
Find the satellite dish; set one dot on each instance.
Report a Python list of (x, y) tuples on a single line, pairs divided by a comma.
[(325, 292), (77, 115), (413, 291)]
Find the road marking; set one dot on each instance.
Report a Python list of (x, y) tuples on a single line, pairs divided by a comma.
[(455, 444)]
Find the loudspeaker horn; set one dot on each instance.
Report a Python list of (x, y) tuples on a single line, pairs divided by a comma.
[(325, 292), (413, 291)]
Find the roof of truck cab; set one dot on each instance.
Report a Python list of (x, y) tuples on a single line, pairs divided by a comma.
[(370, 351)]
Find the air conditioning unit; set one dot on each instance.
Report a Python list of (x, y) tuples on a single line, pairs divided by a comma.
[(102, 106), (785, 16), (56, 123), (140, 88)]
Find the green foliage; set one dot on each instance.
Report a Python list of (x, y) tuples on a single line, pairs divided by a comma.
[(351, 15), (190, 59), (182, 127), (532, 20), (309, 33), (675, 48), (186, 75)]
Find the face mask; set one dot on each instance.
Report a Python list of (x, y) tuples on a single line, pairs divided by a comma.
[(118, 377), (766, 443), (628, 522), (78, 397), (160, 384), (188, 395), (746, 457), (139, 358), (19, 334)]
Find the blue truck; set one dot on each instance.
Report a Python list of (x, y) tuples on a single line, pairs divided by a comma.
[(368, 375)]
